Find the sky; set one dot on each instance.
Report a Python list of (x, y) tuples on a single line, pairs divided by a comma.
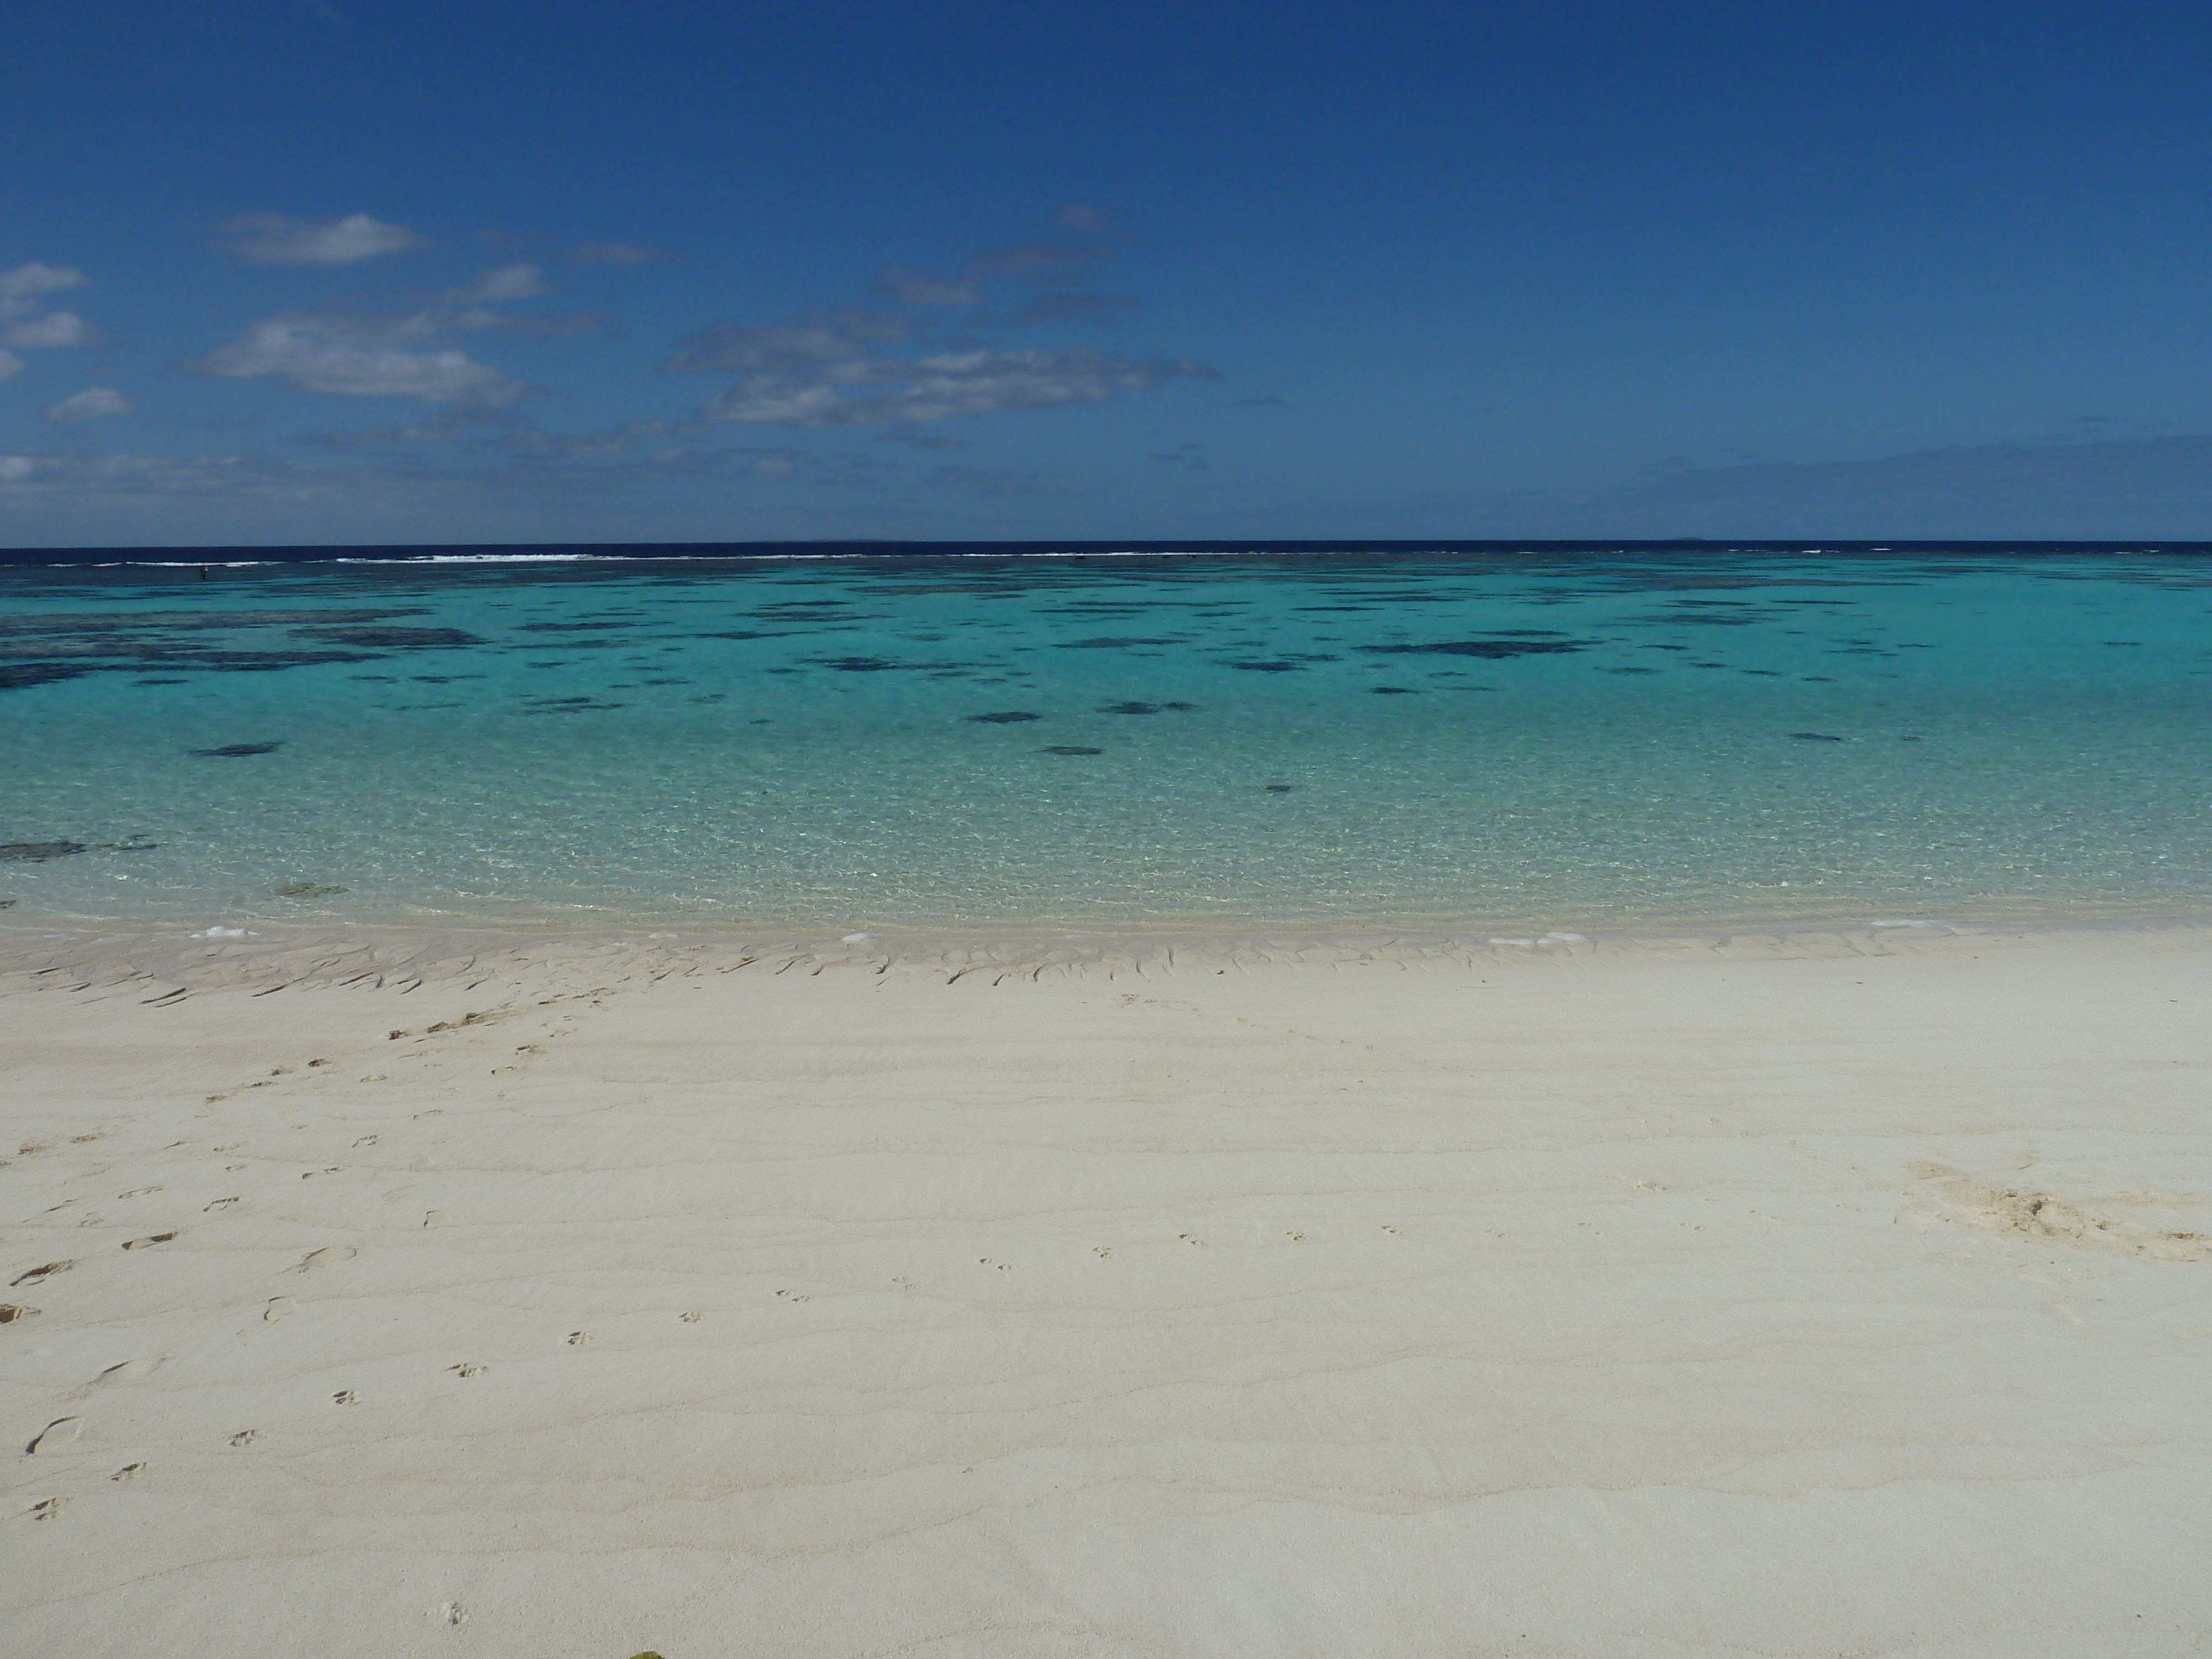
[(375, 272)]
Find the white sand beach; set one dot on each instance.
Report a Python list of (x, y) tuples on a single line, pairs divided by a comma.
[(1848, 1294)]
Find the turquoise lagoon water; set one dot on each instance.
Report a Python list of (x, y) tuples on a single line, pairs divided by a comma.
[(1336, 740)]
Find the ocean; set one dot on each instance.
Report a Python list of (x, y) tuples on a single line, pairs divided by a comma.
[(1090, 737)]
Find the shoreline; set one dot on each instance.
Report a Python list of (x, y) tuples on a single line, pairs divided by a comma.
[(178, 958)]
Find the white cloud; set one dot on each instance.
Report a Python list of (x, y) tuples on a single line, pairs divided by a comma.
[(628, 255), (22, 324), (56, 328), (275, 239), (353, 358), (802, 347), (29, 481), (1028, 262), (90, 404), (10, 365), (921, 288), (515, 281), (19, 288), (1066, 306), (477, 320), (830, 371)]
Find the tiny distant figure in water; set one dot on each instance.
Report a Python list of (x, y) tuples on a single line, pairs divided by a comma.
[(203, 572)]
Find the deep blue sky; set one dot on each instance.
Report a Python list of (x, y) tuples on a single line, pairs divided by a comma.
[(380, 270)]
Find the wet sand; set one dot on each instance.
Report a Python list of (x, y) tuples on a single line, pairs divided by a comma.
[(1848, 1293)]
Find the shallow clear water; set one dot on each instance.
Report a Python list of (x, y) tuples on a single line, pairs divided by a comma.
[(1608, 737)]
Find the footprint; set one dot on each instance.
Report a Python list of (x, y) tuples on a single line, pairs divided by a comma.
[(128, 1472), (1296, 1238), (45, 1508), (12, 1311), (453, 1613), (126, 1371), (62, 1431), (245, 1436), (312, 1173), (1189, 1239), (366, 1140), (278, 1307), (688, 1316), (577, 1339), (37, 1273), (1101, 1252), (344, 1397), (433, 1218), (151, 1238), (1391, 1231), (137, 1192), (465, 1369), (324, 1257), (221, 1204)]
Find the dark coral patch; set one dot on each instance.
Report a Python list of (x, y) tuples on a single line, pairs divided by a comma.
[(395, 638), (1007, 717), (238, 750), (1490, 648), (38, 852), (1069, 748), (250, 662), (15, 675)]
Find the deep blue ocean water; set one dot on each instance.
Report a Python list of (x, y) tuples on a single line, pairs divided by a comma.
[(954, 739)]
